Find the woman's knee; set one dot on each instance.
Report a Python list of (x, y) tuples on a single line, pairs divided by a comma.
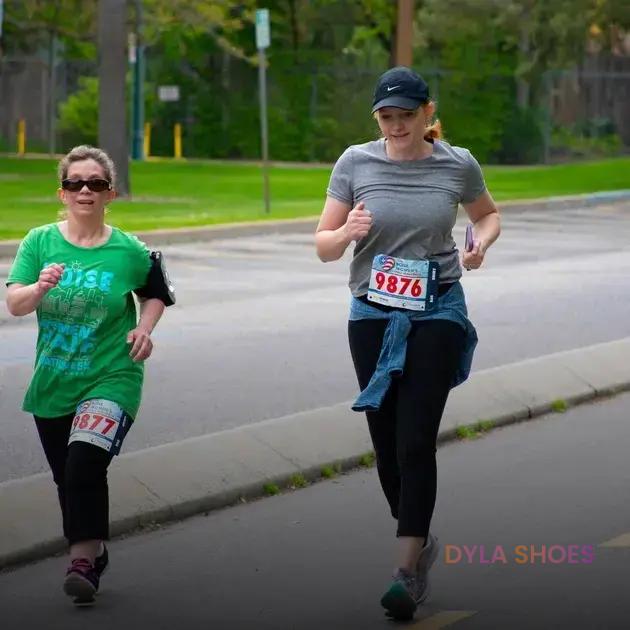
[(86, 465), (417, 451)]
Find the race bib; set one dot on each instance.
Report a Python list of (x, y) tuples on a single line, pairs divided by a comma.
[(102, 423), (411, 284)]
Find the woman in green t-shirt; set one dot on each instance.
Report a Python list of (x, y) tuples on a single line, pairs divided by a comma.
[(79, 275)]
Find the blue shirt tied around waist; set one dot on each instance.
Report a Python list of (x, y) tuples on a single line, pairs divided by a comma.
[(450, 306)]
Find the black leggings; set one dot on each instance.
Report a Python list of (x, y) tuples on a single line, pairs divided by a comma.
[(80, 472), (404, 431)]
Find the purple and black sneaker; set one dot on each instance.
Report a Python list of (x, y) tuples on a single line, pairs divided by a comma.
[(101, 562), (81, 582)]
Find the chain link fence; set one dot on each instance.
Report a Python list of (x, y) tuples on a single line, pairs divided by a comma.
[(33, 90), (316, 109)]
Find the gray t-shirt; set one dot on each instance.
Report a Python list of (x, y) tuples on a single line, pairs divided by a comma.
[(413, 204)]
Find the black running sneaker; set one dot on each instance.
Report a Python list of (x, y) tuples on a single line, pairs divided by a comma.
[(101, 562)]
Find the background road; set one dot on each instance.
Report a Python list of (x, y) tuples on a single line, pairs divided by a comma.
[(259, 330), (320, 558)]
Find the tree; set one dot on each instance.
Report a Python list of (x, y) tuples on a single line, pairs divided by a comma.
[(30, 25), (112, 119), (34, 24), (377, 23), (480, 57), (219, 19), (78, 116)]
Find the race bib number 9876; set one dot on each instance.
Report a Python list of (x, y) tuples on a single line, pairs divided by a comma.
[(402, 283), (102, 423)]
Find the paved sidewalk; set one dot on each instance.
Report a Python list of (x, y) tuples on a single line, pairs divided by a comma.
[(183, 478)]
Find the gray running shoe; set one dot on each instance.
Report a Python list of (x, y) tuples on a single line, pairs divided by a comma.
[(410, 589), (401, 599), (425, 561)]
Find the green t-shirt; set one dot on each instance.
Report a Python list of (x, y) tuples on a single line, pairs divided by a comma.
[(82, 349)]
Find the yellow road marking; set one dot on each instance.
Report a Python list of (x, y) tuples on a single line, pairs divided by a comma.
[(443, 619), (620, 541)]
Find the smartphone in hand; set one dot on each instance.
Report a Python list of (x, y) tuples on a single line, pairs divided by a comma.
[(470, 241)]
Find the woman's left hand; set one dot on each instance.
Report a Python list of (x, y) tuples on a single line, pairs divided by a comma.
[(474, 258), (142, 345)]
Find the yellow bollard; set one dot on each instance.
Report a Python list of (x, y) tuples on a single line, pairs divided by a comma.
[(21, 137), (147, 140), (177, 136)]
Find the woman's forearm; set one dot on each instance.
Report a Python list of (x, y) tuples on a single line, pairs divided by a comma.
[(487, 229), (24, 300), (150, 312), (331, 244)]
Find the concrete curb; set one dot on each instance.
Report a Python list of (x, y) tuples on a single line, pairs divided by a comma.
[(180, 479), (308, 224)]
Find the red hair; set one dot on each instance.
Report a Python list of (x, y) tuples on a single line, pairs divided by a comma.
[(434, 131)]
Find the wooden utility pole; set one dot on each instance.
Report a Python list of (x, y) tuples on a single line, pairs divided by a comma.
[(137, 119), (112, 68), (403, 48), (524, 45)]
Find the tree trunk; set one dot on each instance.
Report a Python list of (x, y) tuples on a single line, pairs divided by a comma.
[(225, 86), (52, 91), (522, 84), (295, 32), (112, 119)]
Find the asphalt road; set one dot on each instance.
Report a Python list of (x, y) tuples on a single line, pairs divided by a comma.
[(259, 330), (525, 500)]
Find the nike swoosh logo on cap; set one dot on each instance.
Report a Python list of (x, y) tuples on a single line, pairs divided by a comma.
[(389, 89)]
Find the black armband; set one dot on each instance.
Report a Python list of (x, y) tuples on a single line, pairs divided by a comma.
[(158, 284)]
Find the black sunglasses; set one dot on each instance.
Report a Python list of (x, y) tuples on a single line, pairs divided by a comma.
[(95, 185)]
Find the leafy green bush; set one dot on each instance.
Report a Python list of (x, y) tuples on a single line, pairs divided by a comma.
[(78, 115), (522, 141), (475, 123), (582, 141)]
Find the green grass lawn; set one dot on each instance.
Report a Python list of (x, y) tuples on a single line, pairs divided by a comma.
[(176, 194)]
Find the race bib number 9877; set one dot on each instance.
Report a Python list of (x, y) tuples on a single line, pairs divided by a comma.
[(102, 423), (402, 283)]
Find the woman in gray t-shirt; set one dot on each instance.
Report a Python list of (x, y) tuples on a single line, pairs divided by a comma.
[(410, 337)]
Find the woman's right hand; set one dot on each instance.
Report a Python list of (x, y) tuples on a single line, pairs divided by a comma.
[(49, 277), (358, 223)]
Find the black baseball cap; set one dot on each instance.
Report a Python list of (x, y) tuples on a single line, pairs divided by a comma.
[(400, 87)]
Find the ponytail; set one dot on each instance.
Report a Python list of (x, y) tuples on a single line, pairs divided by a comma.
[(434, 131)]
